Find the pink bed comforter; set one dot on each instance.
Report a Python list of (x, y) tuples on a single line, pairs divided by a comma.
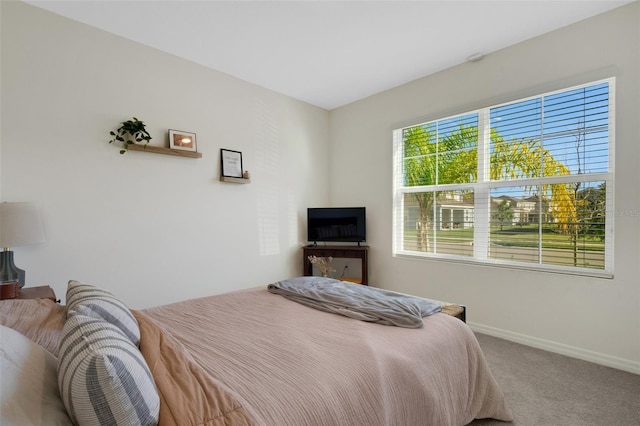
[(252, 357)]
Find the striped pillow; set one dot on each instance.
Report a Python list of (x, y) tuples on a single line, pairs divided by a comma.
[(103, 378), (100, 304)]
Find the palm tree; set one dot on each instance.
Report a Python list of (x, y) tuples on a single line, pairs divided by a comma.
[(452, 159)]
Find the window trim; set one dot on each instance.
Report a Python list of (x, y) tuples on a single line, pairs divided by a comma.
[(484, 184)]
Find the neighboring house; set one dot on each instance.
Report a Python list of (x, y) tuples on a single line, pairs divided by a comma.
[(455, 211), (525, 210)]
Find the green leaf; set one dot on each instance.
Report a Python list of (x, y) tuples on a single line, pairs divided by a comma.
[(133, 130), (122, 151)]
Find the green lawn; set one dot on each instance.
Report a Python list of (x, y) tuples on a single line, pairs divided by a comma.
[(519, 236)]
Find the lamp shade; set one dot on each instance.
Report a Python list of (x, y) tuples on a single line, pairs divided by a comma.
[(20, 225)]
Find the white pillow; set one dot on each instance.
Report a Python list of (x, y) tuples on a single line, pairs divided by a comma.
[(98, 303), (28, 383), (102, 376)]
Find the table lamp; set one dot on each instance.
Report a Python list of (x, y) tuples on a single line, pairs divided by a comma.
[(20, 225)]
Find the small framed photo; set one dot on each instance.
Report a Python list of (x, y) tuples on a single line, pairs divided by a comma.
[(231, 163), (183, 141)]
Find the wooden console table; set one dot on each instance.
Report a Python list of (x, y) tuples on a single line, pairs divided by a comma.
[(350, 252)]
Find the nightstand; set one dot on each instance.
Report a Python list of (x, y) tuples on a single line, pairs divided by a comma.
[(42, 292), (458, 311)]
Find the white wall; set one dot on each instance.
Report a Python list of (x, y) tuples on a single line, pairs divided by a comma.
[(154, 229), (150, 228), (596, 319)]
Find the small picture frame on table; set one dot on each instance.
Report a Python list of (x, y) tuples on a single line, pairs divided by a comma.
[(183, 141), (231, 163)]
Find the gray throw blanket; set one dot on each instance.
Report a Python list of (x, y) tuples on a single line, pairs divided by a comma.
[(356, 301)]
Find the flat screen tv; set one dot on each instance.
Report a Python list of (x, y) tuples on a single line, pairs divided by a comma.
[(336, 224)]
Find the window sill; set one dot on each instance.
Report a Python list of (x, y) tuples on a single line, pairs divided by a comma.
[(583, 272)]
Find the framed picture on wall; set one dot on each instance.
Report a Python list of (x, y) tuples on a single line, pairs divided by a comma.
[(231, 163), (183, 141)]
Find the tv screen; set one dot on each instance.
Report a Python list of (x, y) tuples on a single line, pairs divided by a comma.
[(338, 224)]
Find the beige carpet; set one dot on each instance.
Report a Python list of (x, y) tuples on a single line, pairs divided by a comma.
[(547, 389)]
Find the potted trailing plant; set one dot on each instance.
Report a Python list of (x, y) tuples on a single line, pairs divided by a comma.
[(130, 132)]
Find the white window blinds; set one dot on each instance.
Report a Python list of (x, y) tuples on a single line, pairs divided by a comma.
[(527, 183)]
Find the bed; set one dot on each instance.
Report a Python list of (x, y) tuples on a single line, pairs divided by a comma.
[(248, 357)]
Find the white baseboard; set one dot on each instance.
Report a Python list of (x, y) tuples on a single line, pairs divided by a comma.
[(559, 348)]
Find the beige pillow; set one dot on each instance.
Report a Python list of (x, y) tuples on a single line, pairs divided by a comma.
[(29, 385), (41, 320)]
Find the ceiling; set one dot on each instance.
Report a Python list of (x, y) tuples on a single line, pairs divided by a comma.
[(328, 53)]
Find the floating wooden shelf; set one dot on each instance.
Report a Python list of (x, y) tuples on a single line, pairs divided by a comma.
[(166, 151), (234, 180)]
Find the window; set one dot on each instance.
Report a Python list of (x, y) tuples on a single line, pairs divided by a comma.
[(525, 184)]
